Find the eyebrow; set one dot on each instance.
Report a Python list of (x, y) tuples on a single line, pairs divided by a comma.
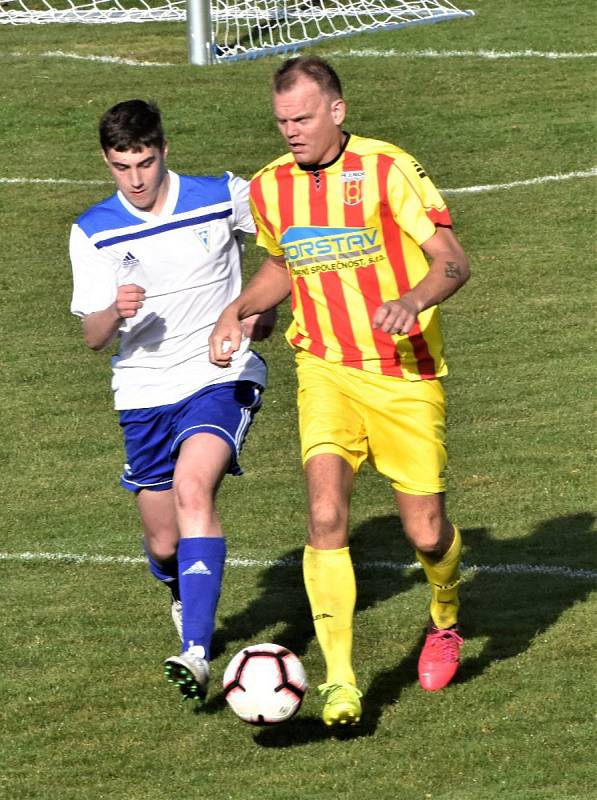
[(147, 160), (301, 115)]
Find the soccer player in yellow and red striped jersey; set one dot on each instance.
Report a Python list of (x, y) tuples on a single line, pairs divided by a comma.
[(362, 241)]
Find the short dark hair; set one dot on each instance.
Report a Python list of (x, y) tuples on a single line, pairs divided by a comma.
[(131, 125), (312, 67)]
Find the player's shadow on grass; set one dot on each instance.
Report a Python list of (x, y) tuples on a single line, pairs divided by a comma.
[(283, 600), (282, 603), (516, 593), (520, 590)]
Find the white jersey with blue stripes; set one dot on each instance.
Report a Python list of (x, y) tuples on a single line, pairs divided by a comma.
[(188, 260)]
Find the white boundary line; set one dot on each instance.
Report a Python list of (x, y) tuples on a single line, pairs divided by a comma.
[(53, 181), (491, 187), (490, 55), (126, 62), (394, 566), (488, 187)]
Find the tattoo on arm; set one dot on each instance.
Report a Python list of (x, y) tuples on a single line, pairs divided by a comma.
[(453, 270)]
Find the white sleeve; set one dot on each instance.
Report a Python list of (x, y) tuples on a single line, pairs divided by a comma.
[(94, 275), (239, 191)]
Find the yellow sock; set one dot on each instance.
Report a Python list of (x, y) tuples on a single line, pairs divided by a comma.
[(444, 577), (332, 592)]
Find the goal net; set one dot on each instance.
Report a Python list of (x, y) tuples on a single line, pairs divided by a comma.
[(243, 28)]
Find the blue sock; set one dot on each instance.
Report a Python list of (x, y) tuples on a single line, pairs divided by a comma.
[(200, 570), (164, 571)]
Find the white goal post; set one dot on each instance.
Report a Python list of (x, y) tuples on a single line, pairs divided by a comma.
[(225, 30)]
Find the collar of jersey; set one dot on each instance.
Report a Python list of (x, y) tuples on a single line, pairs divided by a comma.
[(319, 167), (169, 205)]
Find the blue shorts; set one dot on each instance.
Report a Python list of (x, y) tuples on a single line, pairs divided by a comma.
[(152, 436)]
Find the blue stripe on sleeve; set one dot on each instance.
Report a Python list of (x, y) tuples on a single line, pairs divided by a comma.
[(198, 191), (110, 214)]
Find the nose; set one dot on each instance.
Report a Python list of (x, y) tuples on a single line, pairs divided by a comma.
[(291, 130), (136, 178)]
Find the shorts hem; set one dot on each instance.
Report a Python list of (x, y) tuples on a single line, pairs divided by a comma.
[(420, 491), (204, 427), (135, 486), (330, 449)]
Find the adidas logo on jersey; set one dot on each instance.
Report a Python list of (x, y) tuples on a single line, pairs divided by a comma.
[(420, 171), (198, 568), (130, 261)]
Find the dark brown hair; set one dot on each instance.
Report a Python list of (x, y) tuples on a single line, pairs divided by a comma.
[(131, 125)]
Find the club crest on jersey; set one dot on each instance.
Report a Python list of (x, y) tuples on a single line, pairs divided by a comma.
[(353, 187), (203, 235)]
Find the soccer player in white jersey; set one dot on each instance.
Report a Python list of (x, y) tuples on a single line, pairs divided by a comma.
[(154, 265)]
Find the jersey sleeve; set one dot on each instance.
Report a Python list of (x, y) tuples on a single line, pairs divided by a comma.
[(264, 234), (94, 275), (239, 192), (416, 204)]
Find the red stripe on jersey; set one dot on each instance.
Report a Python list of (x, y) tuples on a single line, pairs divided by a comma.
[(440, 217), (391, 235), (389, 358), (340, 319), (311, 322), (318, 192), (256, 192), (391, 230), (292, 295), (318, 211), (284, 181), (425, 363), (354, 214), (330, 282)]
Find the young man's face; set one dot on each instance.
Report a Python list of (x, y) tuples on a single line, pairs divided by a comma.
[(310, 120), (141, 176)]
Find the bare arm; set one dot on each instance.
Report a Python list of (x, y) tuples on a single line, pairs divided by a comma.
[(448, 271), (100, 328), (260, 326), (266, 289)]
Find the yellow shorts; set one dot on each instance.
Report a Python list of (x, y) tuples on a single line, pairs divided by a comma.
[(396, 424)]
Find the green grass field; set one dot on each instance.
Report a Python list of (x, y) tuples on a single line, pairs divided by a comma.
[(86, 714)]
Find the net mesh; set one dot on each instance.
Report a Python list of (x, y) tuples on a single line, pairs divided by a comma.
[(245, 28)]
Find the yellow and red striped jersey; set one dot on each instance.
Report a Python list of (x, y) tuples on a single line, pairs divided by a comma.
[(350, 233)]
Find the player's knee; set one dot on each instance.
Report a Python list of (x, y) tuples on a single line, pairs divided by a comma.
[(327, 525), (430, 533), (163, 548), (191, 494)]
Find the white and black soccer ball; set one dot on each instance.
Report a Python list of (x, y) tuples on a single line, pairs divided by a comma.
[(265, 684)]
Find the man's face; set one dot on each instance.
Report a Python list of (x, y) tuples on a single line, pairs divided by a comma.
[(310, 122), (141, 176)]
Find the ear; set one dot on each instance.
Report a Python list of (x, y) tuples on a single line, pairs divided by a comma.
[(165, 149), (105, 157), (338, 109)]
